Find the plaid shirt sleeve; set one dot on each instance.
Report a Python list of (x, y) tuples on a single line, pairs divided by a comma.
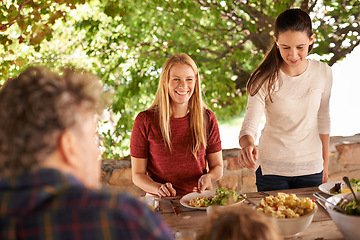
[(140, 219), (69, 211)]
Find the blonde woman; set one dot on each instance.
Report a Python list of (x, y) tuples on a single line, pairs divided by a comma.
[(174, 141)]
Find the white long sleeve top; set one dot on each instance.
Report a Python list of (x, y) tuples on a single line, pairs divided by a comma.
[(289, 144)]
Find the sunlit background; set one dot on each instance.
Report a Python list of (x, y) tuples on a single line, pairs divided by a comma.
[(344, 103)]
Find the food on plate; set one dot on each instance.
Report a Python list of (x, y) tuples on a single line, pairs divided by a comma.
[(336, 189), (222, 196), (286, 205), (350, 207), (341, 187), (197, 202)]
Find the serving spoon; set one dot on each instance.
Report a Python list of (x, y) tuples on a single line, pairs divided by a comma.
[(251, 202), (319, 197), (346, 180)]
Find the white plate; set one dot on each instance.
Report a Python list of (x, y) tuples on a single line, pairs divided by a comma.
[(325, 187), (208, 193)]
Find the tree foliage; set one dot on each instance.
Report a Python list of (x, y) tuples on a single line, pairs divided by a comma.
[(126, 42), (24, 25)]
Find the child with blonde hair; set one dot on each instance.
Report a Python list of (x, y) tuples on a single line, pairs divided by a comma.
[(239, 222)]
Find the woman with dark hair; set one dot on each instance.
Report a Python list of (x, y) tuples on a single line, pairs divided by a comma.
[(294, 93)]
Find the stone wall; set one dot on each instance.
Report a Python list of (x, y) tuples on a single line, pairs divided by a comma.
[(344, 161), (344, 157)]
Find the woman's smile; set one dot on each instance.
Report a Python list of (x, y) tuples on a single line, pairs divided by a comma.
[(293, 47), (181, 84), (182, 92)]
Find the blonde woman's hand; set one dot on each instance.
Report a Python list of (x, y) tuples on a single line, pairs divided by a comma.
[(247, 156), (166, 190), (204, 183)]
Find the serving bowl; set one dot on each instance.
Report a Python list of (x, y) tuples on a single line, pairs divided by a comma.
[(290, 227), (347, 224)]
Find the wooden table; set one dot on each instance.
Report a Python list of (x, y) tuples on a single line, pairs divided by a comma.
[(321, 228)]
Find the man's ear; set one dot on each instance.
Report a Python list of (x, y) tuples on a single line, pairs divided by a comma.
[(68, 149)]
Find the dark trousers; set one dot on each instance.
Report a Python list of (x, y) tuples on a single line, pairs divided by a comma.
[(275, 182)]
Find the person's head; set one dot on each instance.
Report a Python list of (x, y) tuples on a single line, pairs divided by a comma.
[(293, 40), (47, 120), (180, 85), (239, 222), (294, 20), (293, 37)]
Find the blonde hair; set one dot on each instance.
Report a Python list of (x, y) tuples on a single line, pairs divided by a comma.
[(239, 222), (162, 104)]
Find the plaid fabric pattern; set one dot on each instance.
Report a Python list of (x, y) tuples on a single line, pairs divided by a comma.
[(51, 205)]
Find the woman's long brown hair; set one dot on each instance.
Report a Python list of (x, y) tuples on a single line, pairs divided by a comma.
[(267, 72)]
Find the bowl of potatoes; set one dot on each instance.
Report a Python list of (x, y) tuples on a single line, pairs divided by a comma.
[(292, 214)]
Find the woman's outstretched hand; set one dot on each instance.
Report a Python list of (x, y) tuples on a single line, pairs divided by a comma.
[(247, 156)]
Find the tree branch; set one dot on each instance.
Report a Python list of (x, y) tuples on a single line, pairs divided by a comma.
[(339, 55), (17, 16)]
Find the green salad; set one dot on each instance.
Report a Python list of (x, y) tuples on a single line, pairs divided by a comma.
[(337, 187), (223, 196), (349, 206), (356, 182)]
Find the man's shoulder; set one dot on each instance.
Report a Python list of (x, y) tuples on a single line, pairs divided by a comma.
[(68, 202), (129, 213), (113, 204), (102, 198)]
